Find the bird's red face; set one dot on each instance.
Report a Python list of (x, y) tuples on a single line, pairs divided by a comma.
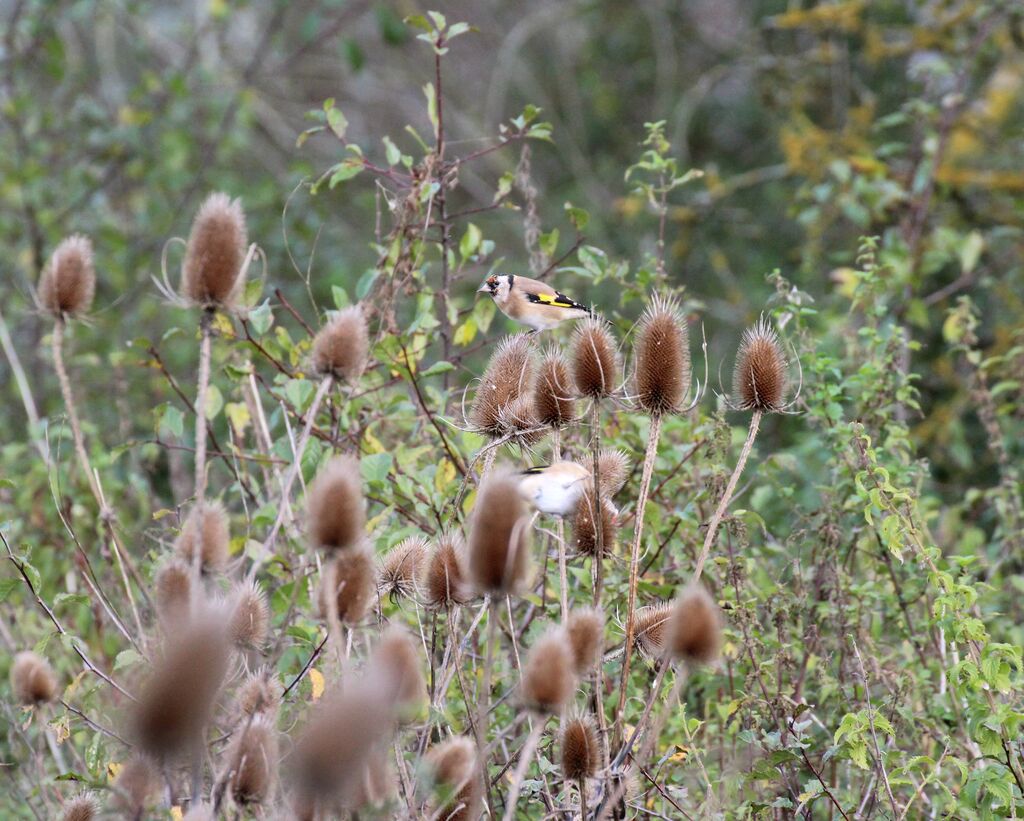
[(490, 286)]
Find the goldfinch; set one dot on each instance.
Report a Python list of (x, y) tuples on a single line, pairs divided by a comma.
[(554, 489), (531, 302)]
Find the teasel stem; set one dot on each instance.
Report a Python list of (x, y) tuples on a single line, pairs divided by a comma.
[(623, 754), (525, 758), (563, 576), (202, 388), (485, 697), (583, 799), (654, 434), (716, 519), (595, 444)]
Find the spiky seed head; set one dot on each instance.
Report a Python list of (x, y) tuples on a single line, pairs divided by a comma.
[(83, 807), (662, 353), (250, 616), (173, 591), (650, 626), (694, 630), (259, 694), (335, 505), (211, 520), (613, 467), (508, 377), (627, 782), (32, 679), (445, 581), (402, 567), (760, 377), (595, 358), (548, 679), (253, 761), (581, 748), (585, 629), (519, 419), (455, 769), (376, 785), (68, 281), (342, 346), (352, 578), (215, 252), (397, 664), (499, 543), (593, 512), (553, 391), (135, 785), (177, 700)]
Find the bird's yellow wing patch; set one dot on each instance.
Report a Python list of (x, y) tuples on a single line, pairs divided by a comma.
[(556, 300)]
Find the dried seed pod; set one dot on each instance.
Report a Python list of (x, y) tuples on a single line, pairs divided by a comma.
[(211, 520), (694, 628), (444, 581), (253, 761), (215, 252), (662, 351), (553, 401), (173, 591), (83, 807), (455, 769), (342, 346), (352, 576), (589, 512), (585, 629), (401, 568), (508, 377), (548, 679), (581, 748), (68, 281), (376, 785), (649, 624), (612, 471), (32, 679), (250, 616), (396, 663), (135, 785), (518, 418), (625, 784), (259, 694), (595, 359), (760, 377), (499, 541), (335, 506)]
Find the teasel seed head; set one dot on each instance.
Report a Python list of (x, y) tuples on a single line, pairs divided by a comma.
[(135, 785), (508, 377), (613, 468), (455, 769), (694, 629), (592, 512), (376, 785), (402, 567), (83, 807), (553, 391), (445, 581), (68, 281), (627, 782), (662, 353), (585, 629), (335, 505), (581, 748), (253, 761), (214, 253), (32, 679), (173, 592), (258, 695), (519, 419), (352, 578), (250, 616), (548, 679), (397, 665), (760, 376), (595, 358), (216, 539), (499, 538), (342, 346), (650, 625)]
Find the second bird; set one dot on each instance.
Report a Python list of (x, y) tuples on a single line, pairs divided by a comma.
[(531, 302)]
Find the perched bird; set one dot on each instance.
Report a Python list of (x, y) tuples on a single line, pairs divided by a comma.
[(554, 489), (531, 302)]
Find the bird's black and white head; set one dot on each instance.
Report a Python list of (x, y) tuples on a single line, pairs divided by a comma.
[(497, 286)]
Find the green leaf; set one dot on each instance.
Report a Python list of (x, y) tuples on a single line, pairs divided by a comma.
[(376, 466), (214, 401), (7, 586), (300, 393), (337, 122), (391, 151), (438, 368), (340, 296), (172, 422), (261, 318), (126, 658), (470, 241), (431, 95)]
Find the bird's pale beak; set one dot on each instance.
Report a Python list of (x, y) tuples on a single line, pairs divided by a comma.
[(484, 289)]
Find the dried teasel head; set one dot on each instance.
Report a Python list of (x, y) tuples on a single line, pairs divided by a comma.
[(252, 761), (553, 400), (376, 785), (401, 568), (613, 468), (351, 576), (342, 346), (250, 616), (662, 354), (626, 785), (136, 784), (760, 376), (172, 592), (519, 419), (397, 665), (595, 358), (208, 522), (593, 512), (548, 678), (32, 679), (445, 583), (211, 272), (585, 630), (581, 748), (693, 632), (83, 807), (68, 281), (455, 770), (259, 694), (335, 505), (650, 627), (507, 378), (499, 543)]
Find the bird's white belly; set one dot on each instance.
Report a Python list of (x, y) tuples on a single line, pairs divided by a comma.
[(557, 499)]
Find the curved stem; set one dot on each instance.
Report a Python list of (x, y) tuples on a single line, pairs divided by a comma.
[(563, 576), (525, 757), (485, 696), (69, 405)]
